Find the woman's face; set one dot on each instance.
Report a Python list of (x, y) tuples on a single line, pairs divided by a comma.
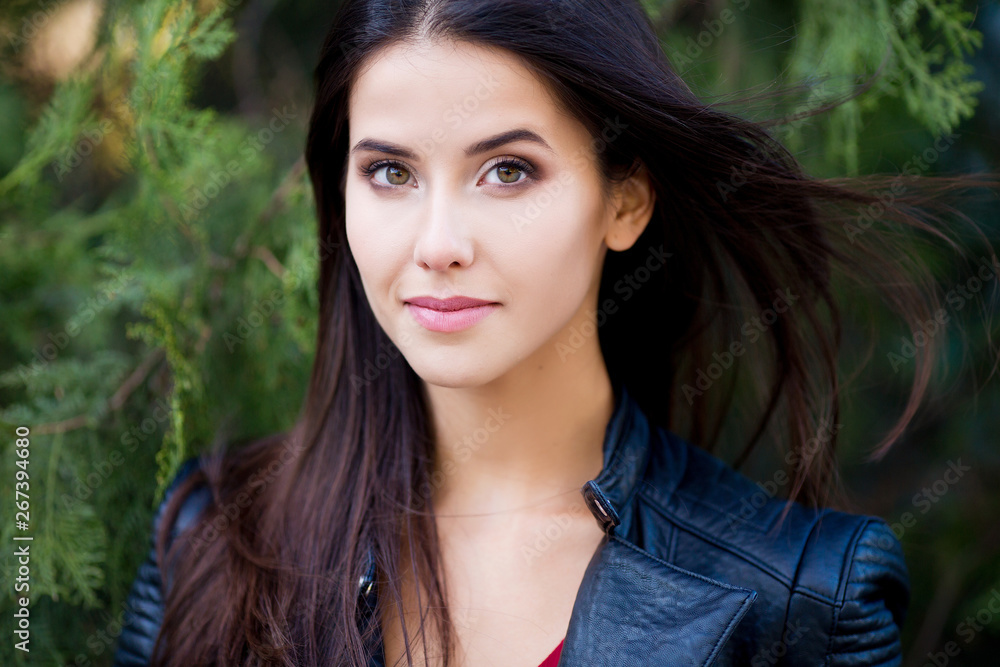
[(448, 209)]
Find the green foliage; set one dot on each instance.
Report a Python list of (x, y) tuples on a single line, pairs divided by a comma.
[(159, 296), (58, 127), (842, 40), (914, 50)]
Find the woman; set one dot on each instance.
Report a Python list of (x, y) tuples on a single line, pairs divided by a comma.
[(542, 266)]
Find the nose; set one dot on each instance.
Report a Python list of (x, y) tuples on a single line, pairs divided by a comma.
[(443, 239)]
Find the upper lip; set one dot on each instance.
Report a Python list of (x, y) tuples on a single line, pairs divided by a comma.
[(451, 303)]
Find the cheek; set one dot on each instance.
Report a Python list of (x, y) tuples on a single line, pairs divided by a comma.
[(369, 238), (358, 219), (558, 253), (354, 223), (367, 244)]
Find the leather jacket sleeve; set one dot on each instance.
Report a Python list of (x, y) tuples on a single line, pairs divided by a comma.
[(875, 598), (144, 607)]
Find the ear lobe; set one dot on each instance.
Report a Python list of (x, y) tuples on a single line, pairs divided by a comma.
[(634, 201)]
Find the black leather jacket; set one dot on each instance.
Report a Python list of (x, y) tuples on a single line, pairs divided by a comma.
[(696, 569)]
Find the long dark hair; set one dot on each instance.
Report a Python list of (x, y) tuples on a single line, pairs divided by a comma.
[(274, 578)]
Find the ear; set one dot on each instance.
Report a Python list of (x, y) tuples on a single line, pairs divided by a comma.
[(631, 209)]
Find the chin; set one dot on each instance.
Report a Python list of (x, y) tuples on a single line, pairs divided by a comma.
[(448, 369)]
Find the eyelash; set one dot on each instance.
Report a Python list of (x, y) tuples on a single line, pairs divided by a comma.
[(521, 165)]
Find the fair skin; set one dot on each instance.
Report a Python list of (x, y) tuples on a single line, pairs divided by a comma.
[(518, 419)]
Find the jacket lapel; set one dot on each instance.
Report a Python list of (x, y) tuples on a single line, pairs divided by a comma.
[(635, 609)]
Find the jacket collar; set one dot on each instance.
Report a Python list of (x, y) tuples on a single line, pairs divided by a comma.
[(633, 607), (626, 457)]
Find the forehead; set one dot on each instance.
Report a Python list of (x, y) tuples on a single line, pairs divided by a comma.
[(452, 90)]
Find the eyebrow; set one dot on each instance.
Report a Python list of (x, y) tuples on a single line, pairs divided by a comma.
[(486, 145)]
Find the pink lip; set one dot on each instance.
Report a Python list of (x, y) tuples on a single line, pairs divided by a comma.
[(447, 315)]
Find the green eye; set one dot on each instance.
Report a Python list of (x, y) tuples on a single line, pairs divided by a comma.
[(396, 175), (508, 173), (510, 170)]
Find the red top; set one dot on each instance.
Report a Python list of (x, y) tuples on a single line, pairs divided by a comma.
[(553, 658)]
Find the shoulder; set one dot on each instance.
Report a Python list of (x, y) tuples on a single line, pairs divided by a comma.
[(144, 606), (841, 575)]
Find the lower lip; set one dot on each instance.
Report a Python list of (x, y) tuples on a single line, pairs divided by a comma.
[(451, 320)]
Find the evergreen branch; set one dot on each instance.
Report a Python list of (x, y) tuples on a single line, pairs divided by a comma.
[(270, 261), (67, 113), (114, 403), (284, 188), (274, 205)]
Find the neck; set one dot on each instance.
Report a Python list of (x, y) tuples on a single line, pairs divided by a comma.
[(525, 442)]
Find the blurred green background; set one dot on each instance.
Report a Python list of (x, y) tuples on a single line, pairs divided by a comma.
[(158, 261)]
